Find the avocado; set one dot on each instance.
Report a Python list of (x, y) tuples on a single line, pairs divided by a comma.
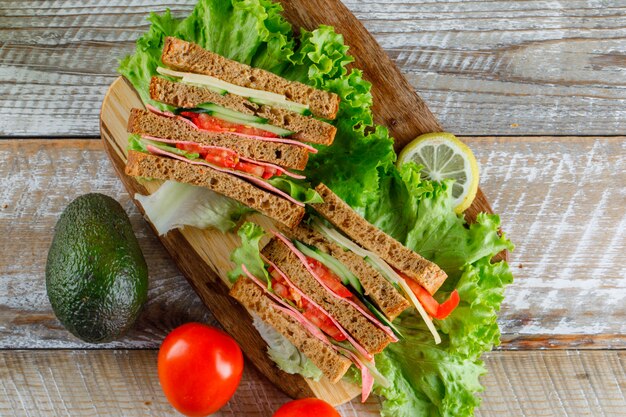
[(96, 275)]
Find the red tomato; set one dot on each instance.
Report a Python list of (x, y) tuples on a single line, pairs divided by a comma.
[(308, 407), (331, 280), (199, 368), (432, 307), (213, 124)]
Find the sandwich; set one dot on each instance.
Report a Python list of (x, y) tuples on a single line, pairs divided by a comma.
[(333, 285), (239, 131)]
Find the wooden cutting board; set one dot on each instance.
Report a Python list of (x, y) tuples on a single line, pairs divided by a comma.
[(202, 255)]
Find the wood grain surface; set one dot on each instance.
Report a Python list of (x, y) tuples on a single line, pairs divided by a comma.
[(483, 67), (563, 219), (43, 383)]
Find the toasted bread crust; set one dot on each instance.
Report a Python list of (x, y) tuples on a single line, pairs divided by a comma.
[(141, 164), (373, 339), (411, 264), (143, 122), (306, 128), (189, 57), (332, 364), (380, 291)]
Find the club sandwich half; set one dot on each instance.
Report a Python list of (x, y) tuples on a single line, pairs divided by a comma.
[(240, 131), (333, 285)]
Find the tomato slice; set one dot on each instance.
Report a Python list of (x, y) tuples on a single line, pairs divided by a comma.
[(250, 168), (205, 121), (191, 147), (432, 307), (331, 280), (222, 157), (324, 322)]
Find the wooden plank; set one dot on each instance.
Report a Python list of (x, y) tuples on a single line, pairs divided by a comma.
[(494, 67), (41, 383), (558, 300)]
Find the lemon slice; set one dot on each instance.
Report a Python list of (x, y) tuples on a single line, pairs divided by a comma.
[(444, 156)]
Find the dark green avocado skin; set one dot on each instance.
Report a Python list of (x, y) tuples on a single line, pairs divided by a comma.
[(96, 275)]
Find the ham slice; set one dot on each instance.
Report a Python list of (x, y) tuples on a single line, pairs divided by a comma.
[(306, 146), (257, 181), (302, 258), (367, 380)]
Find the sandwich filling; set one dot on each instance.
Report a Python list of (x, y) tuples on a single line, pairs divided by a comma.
[(311, 318), (424, 303), (268, 176)]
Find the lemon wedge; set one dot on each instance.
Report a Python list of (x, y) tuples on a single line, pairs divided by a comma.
[(445, 157)]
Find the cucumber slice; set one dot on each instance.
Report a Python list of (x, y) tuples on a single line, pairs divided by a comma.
[(347, 277), (302, 109), (218, 111)]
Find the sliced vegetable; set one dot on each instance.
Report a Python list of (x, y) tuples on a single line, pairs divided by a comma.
[(216, 111), (436, 310), (302, 109), (205, 121), (260, 126), (339, 269), (332, 281)]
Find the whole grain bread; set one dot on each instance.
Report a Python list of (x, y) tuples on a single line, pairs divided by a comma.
[(141, 164), (375, 286), (332, 364), (411, 264), (143, 122), (373, 339), (189, 57), (307, 129)]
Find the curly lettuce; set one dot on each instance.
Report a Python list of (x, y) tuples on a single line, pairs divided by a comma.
[(428, 379)]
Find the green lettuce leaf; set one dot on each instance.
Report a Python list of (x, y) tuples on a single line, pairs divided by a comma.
[(284, 353), (298, 189), (176, 205), (248, 253)]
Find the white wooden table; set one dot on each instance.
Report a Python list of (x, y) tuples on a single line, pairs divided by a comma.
[(538, 89)]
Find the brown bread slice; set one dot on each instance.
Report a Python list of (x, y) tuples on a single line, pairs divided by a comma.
[(340, 214), (189, 57), (380, 291), (332, 364), (141, 164), (144, 122), (373, 339), (307, 129)]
